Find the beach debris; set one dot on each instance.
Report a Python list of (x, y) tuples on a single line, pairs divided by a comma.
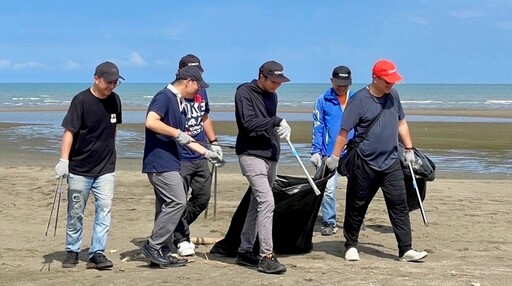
[(475, 284), (112, 251), (199, 240)]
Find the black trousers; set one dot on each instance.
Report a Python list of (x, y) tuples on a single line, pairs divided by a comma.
[(197, 177), (363, 184)]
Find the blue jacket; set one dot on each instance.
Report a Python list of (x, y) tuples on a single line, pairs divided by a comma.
[(327, 117)]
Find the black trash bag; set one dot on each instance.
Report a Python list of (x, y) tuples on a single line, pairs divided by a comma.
[(423, 167), (412, 197), (295, 213)]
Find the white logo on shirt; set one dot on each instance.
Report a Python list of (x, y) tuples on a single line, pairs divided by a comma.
[(113, 118)]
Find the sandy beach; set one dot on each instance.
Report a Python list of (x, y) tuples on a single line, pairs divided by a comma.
[(468, 238)]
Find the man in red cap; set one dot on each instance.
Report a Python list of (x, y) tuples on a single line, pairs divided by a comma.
[(378, 164)]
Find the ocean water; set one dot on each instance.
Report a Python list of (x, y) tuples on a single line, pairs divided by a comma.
[(45, 96), (413, 96)]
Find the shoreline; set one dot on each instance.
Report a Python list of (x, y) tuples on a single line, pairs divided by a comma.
[(485, 113), (484, 142)]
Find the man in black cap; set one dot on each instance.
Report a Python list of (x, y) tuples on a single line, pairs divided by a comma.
[(194, 168), (88, 160), (165, 138), (327, 116), (258, 150)]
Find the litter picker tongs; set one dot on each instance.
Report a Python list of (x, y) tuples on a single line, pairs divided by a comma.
[(59, 189)]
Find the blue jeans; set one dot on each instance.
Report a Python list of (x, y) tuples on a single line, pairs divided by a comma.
[(79, 188), (329, 202)]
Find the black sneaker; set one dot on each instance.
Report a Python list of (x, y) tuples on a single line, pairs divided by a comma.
[(247, 259), (173, 262), (71, 260), (269, 264), (154, 255), (99, 261)]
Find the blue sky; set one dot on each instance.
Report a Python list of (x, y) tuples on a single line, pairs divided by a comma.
[(437, 41)]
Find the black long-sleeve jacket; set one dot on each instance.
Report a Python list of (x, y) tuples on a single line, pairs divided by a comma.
[(255, 112)]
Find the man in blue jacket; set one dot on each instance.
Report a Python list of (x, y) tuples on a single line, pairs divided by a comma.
[(327, 117)]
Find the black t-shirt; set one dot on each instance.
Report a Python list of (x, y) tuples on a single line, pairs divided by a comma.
[(93, 122)]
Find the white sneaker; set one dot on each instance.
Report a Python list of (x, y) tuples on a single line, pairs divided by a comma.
[(413, 256), (351, 254), (186, 248)]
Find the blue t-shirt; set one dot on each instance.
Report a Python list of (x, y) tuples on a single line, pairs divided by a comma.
[(195, 109), (380, 147), (161, 152)]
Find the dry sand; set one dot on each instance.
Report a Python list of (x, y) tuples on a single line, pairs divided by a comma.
[(469, 237)]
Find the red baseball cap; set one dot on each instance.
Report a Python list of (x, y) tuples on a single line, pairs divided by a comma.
[(386, 70)]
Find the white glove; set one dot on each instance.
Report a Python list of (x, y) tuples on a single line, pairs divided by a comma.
[(216, 148), (183, 138), (214, 158), (316, 159), (409, 156), (284, 130), (332, 162), (62, 169)]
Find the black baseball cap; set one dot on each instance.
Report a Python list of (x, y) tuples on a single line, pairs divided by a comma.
[(274, 71), (190, 60), (342, 75), (108, 71), (193, 73)]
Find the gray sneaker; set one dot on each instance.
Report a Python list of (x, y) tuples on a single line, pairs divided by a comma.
[(329, 230), (269, 264), (247, 259)]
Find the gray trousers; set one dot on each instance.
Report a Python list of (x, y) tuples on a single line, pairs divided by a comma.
[(170, 202), (261, 175)]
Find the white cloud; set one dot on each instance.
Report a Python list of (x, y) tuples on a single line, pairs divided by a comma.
[(27, 65), (136, 59), (71, 65), (418, 20), (4, 64), (466, 14)]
